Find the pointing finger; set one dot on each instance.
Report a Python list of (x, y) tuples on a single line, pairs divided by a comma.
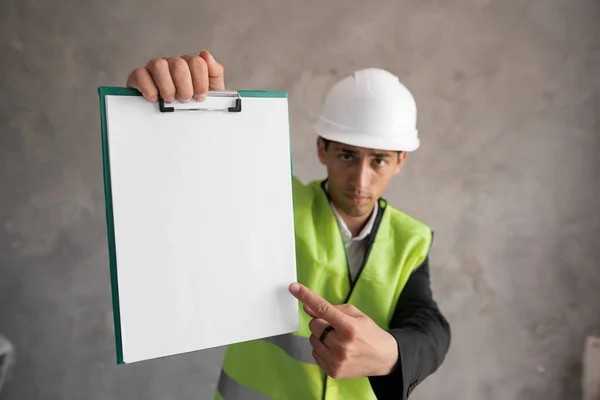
[(350, 309), (309, 311), (320, 307)]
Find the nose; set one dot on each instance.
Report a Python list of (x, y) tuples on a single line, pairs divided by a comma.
[(360, 176)]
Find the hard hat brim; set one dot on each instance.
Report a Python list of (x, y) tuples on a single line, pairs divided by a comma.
[(407, 144)]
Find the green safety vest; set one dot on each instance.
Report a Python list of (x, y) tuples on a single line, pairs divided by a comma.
[(282, 367)]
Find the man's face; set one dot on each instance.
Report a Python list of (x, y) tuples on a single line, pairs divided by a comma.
[(357, 176)]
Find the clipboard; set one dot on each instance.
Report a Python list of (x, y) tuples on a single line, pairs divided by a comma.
[(199, 213)]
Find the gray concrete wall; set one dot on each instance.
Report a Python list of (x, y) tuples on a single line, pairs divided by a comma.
[(508, 173)]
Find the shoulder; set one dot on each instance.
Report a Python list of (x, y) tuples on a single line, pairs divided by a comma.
[(406, 228), (304, 193), (297, 184), (399, 217)]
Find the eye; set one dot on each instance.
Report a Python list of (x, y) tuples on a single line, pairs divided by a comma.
[(380, 162), (345, 157)]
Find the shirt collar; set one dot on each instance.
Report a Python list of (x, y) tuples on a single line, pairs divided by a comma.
[(366, 230)]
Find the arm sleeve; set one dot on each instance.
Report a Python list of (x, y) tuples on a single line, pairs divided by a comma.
[(423, 337)]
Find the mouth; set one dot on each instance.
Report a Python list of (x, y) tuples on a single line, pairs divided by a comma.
[(358, 200)]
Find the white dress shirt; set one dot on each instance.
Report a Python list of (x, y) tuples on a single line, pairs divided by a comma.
[(355, 246)]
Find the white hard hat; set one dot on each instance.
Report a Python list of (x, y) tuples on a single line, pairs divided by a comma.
[(370, 108)]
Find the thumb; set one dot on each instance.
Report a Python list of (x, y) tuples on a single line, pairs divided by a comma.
[(215, 71)]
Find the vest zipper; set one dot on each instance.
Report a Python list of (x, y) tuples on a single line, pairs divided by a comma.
[(324, 387), (370, 243)]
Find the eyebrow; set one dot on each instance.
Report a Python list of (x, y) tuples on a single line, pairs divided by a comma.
[(348, 151), (380, 155)]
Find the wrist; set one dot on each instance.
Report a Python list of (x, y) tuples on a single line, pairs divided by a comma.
[(388, 354)]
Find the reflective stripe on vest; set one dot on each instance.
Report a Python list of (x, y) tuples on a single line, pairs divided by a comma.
[(297, 347), (229, 389)]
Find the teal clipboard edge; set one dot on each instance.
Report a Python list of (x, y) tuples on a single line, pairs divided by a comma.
[(262, 93), (104, 91)]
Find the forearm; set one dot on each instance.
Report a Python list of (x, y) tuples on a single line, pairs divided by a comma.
[(422, 336), (420, 348), (423, 342)]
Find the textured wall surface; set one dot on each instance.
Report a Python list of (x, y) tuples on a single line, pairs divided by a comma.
[(508, 173)]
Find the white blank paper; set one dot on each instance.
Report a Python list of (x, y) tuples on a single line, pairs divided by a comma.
[(203, 221)]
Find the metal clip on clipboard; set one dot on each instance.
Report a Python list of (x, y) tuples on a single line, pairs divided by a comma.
[(217, 100)]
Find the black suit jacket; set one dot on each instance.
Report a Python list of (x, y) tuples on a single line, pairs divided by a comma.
[(423, 336)]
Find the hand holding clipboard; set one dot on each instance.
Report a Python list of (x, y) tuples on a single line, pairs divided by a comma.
[(178, 78)]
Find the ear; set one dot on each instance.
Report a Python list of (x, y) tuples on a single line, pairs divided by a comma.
[(321, 150), (400, 162)]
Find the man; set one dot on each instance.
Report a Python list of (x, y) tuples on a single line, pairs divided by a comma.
[(369, 327)]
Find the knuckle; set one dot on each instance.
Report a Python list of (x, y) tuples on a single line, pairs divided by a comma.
[(345, 308), (157, 63), (138, 73), (178, 65), (197, 63), (343, 353), (131, 81), (323, 308), (351, 332)]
